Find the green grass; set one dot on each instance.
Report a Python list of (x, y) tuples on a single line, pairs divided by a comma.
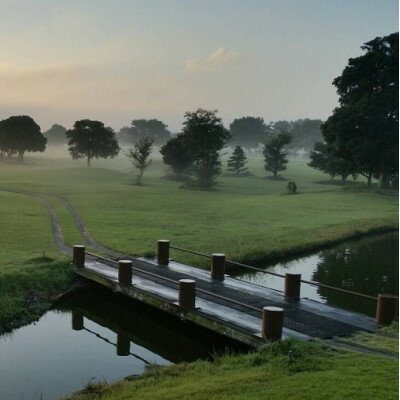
[(287, 370), (29, 261), (249, 218)]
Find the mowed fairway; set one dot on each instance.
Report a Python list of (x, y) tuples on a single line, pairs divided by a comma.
[(249, 218)]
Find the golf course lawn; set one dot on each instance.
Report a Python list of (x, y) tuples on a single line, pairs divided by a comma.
[(250, 218)]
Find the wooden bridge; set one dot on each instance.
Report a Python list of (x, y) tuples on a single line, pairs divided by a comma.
[(242, 311)]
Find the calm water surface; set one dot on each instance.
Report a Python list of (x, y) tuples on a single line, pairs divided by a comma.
[(368, 265), (50, 359)]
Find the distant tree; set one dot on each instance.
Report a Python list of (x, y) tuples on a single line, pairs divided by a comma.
[(292, 187), (91, 139), (274, 154), (19, 134), (237, 161), (176, 154), (56, 135), (323, 160), (139, 156), (364, 128), (152, 128), (205, 136), (248, 132), (305, 133)]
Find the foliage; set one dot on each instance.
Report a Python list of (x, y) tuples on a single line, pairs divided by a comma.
[(19, 134), (274, 155), (292, 187), (141, 128), (364, 128), (139, 156), (323, 160), (176, 154), (248, 132), (56, 135), (205, 136), (91, 139), (237, 161)]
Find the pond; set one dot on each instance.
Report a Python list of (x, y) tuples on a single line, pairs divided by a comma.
[(91, 338), (368, 265)]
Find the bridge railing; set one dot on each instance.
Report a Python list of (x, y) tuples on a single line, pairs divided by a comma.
[(386, 309)]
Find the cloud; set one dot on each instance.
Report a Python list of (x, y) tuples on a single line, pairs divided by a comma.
[(216, 60)]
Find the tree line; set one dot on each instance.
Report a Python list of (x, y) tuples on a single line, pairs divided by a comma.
[(359, 138)]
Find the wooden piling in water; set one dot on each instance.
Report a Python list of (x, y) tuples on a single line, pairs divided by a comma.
[(123, 345), (77, 321)]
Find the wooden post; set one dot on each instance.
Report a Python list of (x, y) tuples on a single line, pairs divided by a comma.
[(123, 345), (387, 308), (78, 256), (163, 252), (187, 293), (272, 323), (292, 285), (77, 321), (125, 272), (218, 266)]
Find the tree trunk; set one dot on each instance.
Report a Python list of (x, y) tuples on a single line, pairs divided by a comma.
[(88, 161), (21, 156), (344, 177), (275, 173), (384, 180), (369, 179)]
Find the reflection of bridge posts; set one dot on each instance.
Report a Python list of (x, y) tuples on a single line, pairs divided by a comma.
[(123, 345), (77, 321)]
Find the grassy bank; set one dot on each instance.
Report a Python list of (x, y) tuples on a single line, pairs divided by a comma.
[(32, 272), (250, 218), (291, 369)]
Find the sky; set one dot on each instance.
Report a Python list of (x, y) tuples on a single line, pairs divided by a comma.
[(119, 60)]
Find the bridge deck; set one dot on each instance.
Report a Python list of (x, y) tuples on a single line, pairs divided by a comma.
[(304, 318)]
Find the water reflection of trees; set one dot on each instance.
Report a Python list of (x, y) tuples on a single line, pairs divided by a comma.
[(367, 266)]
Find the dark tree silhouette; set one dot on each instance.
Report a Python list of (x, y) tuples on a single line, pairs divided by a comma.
[(237, 161), (325, 161), (364, 128), (56, 135), (274, 154), (91, 139), (19, 134), (205, 136), (177, 155), (139, 156), (152, 128)]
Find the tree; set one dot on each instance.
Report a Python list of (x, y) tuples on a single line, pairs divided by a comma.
[(364, 128), (237, 161), (91, 139), (152, 128), (176, 154), (305, 133), (56, 135), (205, 136), (323, 160), (274, 156), (139, 156), (248, 132), (19, 134)]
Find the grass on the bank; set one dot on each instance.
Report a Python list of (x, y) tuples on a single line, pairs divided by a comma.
[(250, 218), (32, 272), (287, 370)]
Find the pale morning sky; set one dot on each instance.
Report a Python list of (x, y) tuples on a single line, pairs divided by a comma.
[(119, 60)]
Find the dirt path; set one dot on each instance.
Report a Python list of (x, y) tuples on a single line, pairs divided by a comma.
[(56, 227)]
